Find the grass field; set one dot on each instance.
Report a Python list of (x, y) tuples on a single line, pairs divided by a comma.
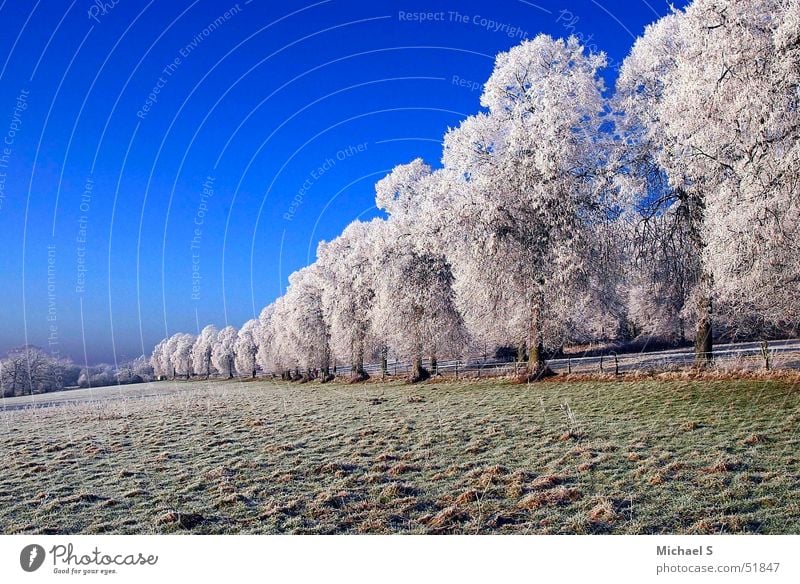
[(445, 457)]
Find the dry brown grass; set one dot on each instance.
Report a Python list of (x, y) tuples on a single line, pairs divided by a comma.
[(558, 496), (604, 511)]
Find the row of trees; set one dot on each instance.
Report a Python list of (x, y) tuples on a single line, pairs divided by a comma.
[(29, 370), (564, 213), (226, 352)]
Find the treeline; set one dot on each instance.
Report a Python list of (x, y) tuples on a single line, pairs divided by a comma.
[(30, 370), (565, 212)]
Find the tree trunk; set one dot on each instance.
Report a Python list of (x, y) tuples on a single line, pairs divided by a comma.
[(230, 367), (522, 349), (326, 360), (695, 216), (418, 372), (703, 348), (536, 364), (357, 372)]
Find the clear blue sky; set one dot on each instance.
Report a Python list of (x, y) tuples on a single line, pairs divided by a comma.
[(125, 218)]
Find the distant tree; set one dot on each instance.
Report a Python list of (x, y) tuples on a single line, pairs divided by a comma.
[(223, 354), (100, 375), (203, 349), (142, 368), (159, 360), (246, 348), (266, 356), (306, 334), (14, 372), (179, 351), (137, 370)]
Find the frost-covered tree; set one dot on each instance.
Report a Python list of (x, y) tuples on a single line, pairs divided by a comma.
[(663, 274), (159, 360), (348, 292), (14, 372), (284, 348), (29, 369), (265, 335), (179, 350), (223, 352), (403, 192), (306, 334), (520, 191), (136, 370), (203, 349), (173, 355), (414, 309), (657, 166), (246, 348), (711, 95), (744, 149)]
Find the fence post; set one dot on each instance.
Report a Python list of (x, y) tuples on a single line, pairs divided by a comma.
[(569, 364), (601, 363), (616, 365)]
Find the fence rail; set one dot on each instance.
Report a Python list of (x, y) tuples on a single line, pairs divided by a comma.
[(751, 355)]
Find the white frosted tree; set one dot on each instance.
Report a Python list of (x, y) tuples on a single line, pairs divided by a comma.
[(743, 144), (246, 348), (306, 333), (159, 360), (656, 177), (348, 292), (414, 309), (710, 95), (170, 347), (179, 349), (521, 190), (203, 349), (266, 354), (223, 351), (284, 348)]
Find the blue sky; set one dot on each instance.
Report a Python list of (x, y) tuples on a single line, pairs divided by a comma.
[(169, 164)]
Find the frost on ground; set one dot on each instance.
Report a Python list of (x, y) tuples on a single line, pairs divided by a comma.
[(652, 456)]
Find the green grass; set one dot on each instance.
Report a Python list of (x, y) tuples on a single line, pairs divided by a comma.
[(444, 457)]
